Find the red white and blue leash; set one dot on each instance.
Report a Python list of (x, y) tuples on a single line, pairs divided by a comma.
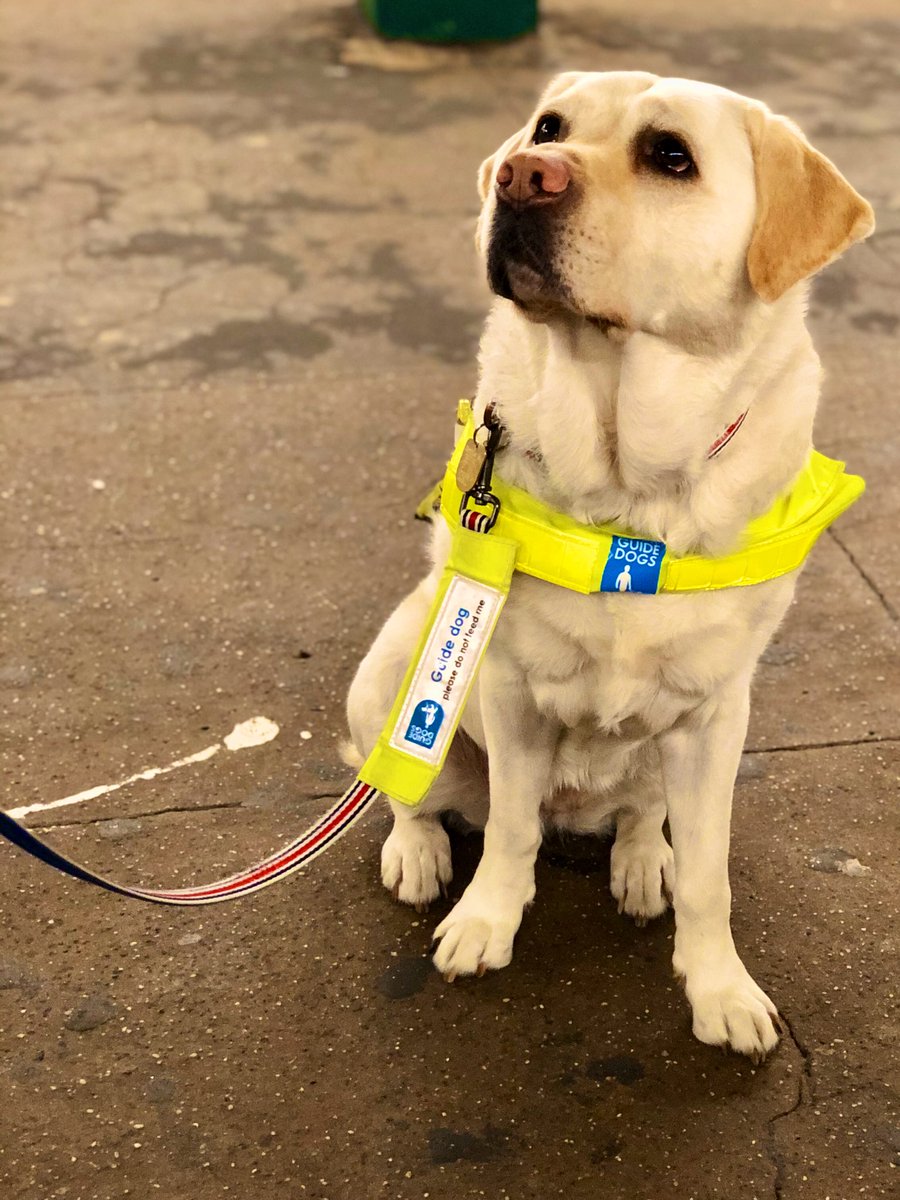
[(324, 833), (333, 825)]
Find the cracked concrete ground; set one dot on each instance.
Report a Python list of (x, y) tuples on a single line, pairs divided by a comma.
[(239, 302)]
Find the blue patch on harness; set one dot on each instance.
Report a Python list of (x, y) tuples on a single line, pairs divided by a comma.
[(633, 565), (426, 721)]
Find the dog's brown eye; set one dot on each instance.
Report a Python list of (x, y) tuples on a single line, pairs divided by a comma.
[(669, 155), (547, 129)]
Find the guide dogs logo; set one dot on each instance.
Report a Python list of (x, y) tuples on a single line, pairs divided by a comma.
[(633, 565), (427, 718)]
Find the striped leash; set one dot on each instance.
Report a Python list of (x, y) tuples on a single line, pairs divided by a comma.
[(324, 833)]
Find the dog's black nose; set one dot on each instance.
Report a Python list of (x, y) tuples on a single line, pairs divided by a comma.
[(529, 178)]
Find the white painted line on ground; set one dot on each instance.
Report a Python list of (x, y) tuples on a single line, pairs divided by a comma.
[(254, 732)]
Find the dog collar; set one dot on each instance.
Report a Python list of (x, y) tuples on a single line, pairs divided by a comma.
[(608, 558), (719, 444), (725, 436)]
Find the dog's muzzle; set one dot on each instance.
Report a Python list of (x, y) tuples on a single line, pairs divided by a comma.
[(520, 256), (530, 189)]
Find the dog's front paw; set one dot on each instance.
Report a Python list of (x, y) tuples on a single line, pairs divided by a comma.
[(476, 936), (730, 1009), (415, 861), (642, 876)]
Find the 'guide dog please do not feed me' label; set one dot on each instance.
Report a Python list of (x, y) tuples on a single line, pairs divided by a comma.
[(446, 669)]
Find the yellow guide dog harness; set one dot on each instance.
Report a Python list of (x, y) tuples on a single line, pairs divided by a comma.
[(524, 534), (497, 530)]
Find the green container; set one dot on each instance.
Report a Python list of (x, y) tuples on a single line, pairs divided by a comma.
[(452, 20)]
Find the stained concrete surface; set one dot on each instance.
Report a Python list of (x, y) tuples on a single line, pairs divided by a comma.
[(239, 300)]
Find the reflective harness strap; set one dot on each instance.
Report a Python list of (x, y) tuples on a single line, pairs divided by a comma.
[(556, 548), (415, 741)]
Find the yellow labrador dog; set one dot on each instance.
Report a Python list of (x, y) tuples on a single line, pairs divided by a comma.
[(649, 241)]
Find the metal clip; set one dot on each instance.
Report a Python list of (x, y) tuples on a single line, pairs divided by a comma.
[(479, 522), (480, 494)]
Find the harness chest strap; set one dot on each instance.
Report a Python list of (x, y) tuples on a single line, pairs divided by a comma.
[(591, 558), (523, 534)]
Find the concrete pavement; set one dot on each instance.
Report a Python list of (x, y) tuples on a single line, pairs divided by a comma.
[(239, 301)]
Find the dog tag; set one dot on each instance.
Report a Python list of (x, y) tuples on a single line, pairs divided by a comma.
[(469, 466)]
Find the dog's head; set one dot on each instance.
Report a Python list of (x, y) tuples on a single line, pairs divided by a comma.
[(658, 204)]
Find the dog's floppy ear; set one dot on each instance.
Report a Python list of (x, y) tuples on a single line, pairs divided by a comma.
[(806, 211)]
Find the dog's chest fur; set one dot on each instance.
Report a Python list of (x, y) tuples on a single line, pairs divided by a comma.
[(612, 672), (615, 432)]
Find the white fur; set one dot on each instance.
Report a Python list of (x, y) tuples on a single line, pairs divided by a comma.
[(607, 708)]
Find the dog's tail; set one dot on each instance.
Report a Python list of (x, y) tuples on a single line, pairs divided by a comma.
[(350, 755)]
